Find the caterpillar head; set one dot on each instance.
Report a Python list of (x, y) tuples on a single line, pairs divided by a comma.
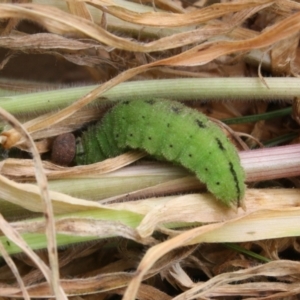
[(63, 149)]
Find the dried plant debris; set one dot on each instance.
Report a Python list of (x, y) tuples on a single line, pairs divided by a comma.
[(130, 229)]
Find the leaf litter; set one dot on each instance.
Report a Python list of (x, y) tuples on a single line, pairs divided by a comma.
[(170, 247)]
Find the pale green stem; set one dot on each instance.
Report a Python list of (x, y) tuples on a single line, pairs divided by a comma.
[(202, 89)]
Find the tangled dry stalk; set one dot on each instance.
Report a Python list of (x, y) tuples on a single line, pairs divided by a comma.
[(180, 244)]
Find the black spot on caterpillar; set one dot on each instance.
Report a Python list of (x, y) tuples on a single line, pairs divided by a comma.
[(200, 124), (221, 147), (171, 131)]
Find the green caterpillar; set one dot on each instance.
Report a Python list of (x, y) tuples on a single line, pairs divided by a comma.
[(171, 131)]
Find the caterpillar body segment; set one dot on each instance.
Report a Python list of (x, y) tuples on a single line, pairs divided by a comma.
[(171, 131)]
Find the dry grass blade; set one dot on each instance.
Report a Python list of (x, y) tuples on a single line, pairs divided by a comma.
[(59, 22), (15, 270), (14, 168), (207, 52), (110, 281), (208, 234), (276, 268), (15, 237), (44, 194), (149, 230), (174, 20), (39, 41), (79, 9)]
